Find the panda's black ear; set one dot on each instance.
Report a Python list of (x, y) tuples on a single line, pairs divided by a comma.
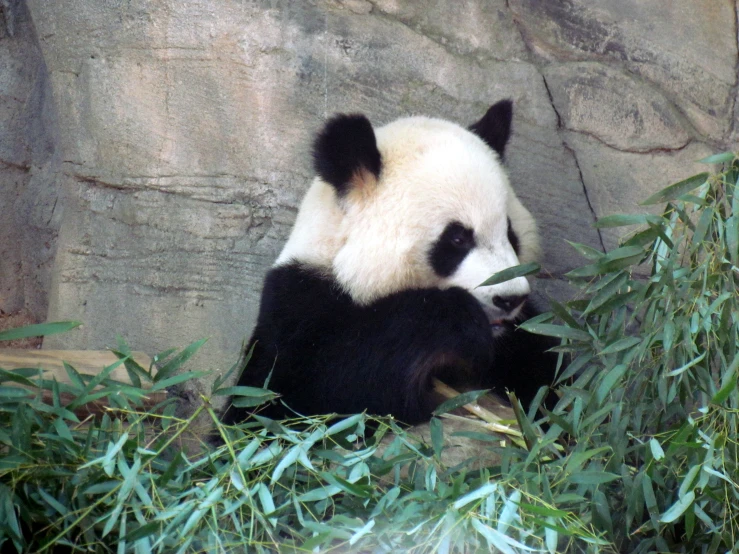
[(345, 153), (495, 126)]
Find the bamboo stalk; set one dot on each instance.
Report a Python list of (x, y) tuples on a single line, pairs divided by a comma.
[(492, 421), (495, 427)]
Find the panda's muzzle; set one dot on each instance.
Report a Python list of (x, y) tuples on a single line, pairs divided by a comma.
[(506, 308), (511, 302)]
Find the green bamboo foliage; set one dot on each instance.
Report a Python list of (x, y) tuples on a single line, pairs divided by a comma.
[(640, 455), (653, 400)]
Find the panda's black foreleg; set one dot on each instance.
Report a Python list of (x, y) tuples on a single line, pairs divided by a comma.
[(523, 364), (406, 339)]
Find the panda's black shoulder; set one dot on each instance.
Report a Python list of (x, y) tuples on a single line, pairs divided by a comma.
[(298, 274), (296, 290)]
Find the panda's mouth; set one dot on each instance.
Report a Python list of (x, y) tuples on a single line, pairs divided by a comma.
[(499, 326), (499, 320)]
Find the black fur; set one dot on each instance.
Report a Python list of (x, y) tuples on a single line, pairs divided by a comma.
[(327, 354), (522, 362), (346, 145), (495, 126), (451, 248)]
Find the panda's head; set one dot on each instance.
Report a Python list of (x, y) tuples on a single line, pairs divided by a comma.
[(417, 203)]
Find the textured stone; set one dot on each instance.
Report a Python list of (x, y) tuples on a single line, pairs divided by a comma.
[(687, 47), (618, 181), (546, 177), (484, 29), (623, 112), (28, 199)]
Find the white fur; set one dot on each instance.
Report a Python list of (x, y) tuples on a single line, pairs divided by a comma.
[(315, 238), (433, 172)]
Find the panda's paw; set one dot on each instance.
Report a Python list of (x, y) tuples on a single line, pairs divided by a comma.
[(457, 304)]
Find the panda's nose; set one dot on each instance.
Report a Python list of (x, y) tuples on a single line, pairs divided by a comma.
[(510, 302)]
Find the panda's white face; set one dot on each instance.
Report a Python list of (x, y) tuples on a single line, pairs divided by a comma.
[(440, 213)]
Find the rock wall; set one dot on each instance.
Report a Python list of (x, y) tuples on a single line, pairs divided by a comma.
[(30, 214), (179, 133)]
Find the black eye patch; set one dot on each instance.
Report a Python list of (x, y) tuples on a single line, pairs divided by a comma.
[(513, 238), (451, 248)]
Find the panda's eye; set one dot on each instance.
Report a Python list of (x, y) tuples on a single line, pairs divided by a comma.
[(460, 236), (452, 246)]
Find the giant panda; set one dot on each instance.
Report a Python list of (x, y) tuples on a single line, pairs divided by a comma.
[(376, 290)]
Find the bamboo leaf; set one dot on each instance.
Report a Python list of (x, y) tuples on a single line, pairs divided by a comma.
[(437, 435), (724, 393), (39, 330), (344, 424), (362, 531), (177, 379), (558, 331), (593, 477), (587, 252), (482, 492), (674, 191), (724, 157), (176, 362), (511, 273), (678, 508), (498, 540), (287, 460), (622, 220), (551, 536), (656, 449), (459, 401), (619, 345), (685, 367)]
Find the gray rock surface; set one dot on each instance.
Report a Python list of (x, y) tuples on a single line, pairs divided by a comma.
[(623, 179), (687, 48), (614, 107), (30, 211), (176, 134)]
